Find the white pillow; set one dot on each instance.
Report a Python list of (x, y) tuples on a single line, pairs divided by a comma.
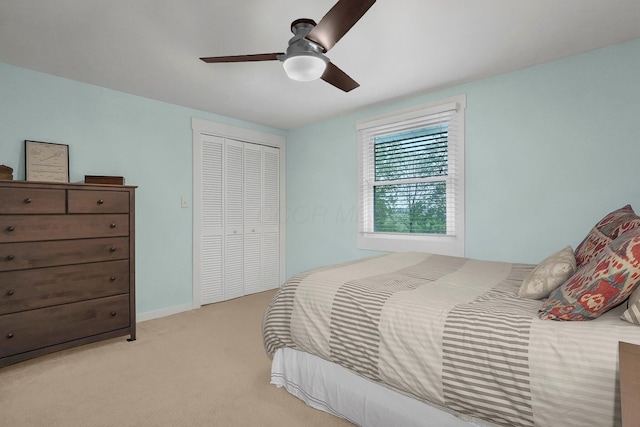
[(549, 274)]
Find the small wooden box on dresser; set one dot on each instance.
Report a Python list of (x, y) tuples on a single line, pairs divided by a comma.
[(67, 266)]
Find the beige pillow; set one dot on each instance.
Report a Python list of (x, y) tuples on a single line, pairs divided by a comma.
[(549, 274), (632, 313)]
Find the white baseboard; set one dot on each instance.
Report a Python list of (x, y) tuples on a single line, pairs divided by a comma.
[(149, 315)]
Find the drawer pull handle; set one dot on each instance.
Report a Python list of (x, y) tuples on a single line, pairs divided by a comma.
[(112, 249), (100, 201), (10, 292), (9, 335), (10, 257), (27, 200), (112, 278), (10, 228), (113, 314), (112, 225)]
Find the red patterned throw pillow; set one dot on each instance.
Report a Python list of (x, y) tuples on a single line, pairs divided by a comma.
[(604, 232), (603, 283)]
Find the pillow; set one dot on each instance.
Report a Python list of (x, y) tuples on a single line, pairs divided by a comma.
[(548, 275), (632, 313), (603, 283), (604, 232)]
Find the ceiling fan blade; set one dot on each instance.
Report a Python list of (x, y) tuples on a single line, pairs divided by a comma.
[(338, 78), (243, 58), (335, 24)]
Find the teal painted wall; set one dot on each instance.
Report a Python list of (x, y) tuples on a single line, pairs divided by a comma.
[(113, 133), (549, 150)]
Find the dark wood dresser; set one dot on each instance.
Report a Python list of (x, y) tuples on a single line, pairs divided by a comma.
[(67, 266)]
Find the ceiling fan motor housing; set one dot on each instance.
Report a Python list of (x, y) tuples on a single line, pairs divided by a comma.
[(299, 45)]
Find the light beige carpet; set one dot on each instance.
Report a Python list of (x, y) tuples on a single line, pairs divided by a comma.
[(205, 367)]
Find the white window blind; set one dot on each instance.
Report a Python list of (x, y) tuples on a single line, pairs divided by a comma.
[(412, 179)]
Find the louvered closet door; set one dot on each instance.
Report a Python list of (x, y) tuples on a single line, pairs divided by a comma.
[(270, 218), (239, 241), (234, 218), (252, 218), (211, 247)]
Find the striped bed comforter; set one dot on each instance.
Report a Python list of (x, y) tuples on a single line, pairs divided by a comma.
[(452, 331)]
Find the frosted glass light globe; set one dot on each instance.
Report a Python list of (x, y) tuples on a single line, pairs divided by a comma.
[(304, 68)]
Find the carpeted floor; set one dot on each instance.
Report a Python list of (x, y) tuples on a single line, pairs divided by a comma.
[(205, 367)]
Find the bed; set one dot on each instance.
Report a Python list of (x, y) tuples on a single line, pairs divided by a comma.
[(425, 339)]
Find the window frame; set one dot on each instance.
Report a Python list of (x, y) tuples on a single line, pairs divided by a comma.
[(449, 244)]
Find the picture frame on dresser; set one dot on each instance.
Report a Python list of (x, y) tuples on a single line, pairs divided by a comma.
[(46, 161)]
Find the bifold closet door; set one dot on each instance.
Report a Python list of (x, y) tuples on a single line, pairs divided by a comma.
[(261, 218), (234, 219), (221, 257), (240, 219), (270, 218), (212, 220), (252, 218)]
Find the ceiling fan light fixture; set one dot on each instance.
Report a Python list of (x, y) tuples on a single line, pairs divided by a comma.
[(305, 68)]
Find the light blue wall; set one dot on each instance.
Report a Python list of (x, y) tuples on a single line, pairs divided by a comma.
[(549, 151), (113, 133)]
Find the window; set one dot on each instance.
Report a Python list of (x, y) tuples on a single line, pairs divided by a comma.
[(411, 172)]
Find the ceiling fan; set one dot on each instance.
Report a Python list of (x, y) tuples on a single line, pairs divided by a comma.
[(305, 59)]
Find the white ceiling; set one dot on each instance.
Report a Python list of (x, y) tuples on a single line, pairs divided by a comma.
[(399, 48)]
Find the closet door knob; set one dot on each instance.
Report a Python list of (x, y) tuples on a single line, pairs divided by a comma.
[(27, 200), (10, 228), (10, 292), (9, 335), (100, 201), (112, 225)]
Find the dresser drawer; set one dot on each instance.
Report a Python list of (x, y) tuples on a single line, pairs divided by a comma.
[(33, 329), (26, 228), (90, 201), (43, 287), (32, 201), (20, 256)]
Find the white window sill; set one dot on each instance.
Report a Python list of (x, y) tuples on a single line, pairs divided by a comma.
[(389, 242)]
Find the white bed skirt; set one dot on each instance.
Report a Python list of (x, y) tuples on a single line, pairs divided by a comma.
[(331, 388)]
